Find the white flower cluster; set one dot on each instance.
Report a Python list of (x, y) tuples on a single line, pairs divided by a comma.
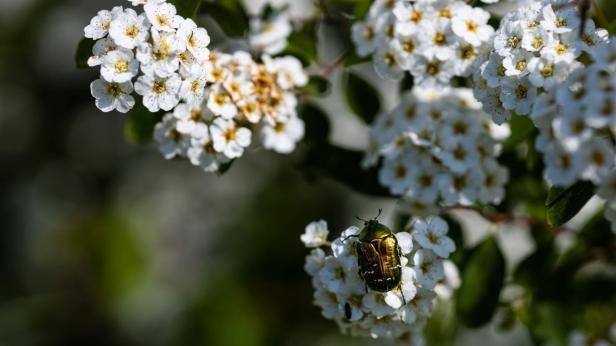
[(400, 314), (577, 127), (438, 149), (535, 48), (168, 53), (214, 99), (243, 95), (433, 40)]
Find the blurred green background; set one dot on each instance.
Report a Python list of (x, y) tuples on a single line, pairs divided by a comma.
[(105, 243)]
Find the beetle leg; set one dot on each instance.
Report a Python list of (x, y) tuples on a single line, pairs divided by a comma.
[(403, 298), (351, 236)]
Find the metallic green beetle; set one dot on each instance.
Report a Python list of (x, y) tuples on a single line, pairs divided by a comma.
[(378, 257)]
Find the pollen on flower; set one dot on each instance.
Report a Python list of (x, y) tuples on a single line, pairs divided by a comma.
[(159, 86), (471, 26), (114, 89), (121, 66), (440, 39), (132, 31), (521, 92)]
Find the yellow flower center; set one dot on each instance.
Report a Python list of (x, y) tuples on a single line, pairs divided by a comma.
[(159, 87), (121, 66)]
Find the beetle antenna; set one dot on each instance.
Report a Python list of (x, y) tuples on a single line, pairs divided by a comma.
[(379, 214), (360, 219)]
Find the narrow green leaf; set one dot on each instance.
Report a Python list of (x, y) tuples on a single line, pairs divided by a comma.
[(317, 86), (187, 8), (564, 203), (84, 52), (362, 97), (230, 16), (140, 122), (482, 281)]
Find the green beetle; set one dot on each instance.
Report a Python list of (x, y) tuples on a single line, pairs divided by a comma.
[(378, 257)]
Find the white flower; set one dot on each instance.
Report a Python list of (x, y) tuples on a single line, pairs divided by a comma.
[(163, 16), (202, 153), (562, 169), (288, 70), (315, 261), (171, 142), (545, 73), (101, 48), (128, 30), (119, 66), (492, 186), (564, 20), (159, 93), (396, 174), (159, 57), (597, 157), (270, 35), (112, 96), (99, 25), (518, 95), (229, 138), (190, 117), (315, 235), (432, 235), (283, 137), (193, 86), (428, 268), (364, 36), (386, 64), (220, 102), (470, 24), (195, 39)]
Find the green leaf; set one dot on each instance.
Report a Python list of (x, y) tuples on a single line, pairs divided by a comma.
[(535, 268), (84, 52), (317, 125), (482, 281), (521, 128), (140, 122), (344, 166), (401, 220), (187, 8), (354, 59), (230, 16), (407, 83), (457, 235), (362, 97), (317, 86), (225, 167), (303, 44), (361, 8), (563, 204)]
